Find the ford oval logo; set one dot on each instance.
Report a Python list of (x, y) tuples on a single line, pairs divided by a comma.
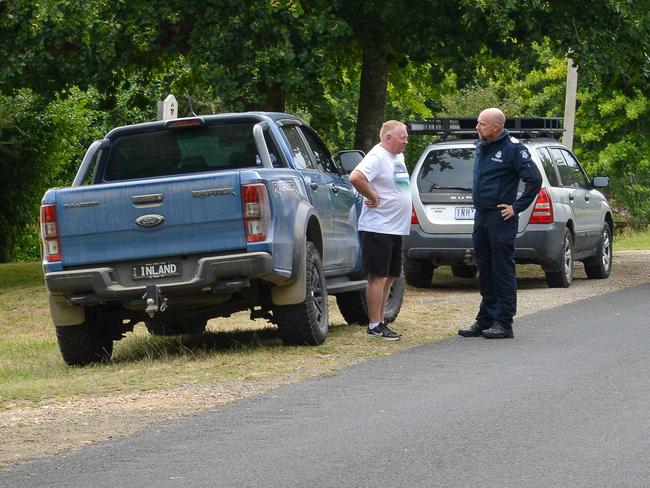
[(149, 220)]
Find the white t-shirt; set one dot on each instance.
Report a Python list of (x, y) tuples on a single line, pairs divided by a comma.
[(388, 176)]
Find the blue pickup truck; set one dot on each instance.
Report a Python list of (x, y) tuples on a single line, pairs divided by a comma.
[(176, 222)]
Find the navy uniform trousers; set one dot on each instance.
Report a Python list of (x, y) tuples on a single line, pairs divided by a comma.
[(494, 253)]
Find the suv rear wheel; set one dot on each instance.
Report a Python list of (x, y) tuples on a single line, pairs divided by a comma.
[(600, 266), (418, 273), (564, 277), (354, 306), (464, 270)]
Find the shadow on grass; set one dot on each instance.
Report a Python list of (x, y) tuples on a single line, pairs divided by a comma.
[(155, 347), (471, 284)]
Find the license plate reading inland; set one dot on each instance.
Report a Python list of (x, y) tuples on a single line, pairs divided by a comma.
[(465, 213), (152, 271)]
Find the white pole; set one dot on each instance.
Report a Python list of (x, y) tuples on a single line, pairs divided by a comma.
[(167, 109), (570, 103)]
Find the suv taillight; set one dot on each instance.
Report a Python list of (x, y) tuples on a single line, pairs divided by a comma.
[(414, 217), (543, 209), (255, 202), (50, 233)]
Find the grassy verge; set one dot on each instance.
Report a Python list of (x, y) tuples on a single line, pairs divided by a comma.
[(234, 349), (632, 240)]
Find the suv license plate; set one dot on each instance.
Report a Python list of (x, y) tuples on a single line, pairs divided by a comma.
[(152, 271), (465, 213)]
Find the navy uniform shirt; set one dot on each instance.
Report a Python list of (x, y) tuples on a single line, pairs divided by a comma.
[(498, 167)]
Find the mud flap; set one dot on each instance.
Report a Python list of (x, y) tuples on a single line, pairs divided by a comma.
[(63, 313), (295, 292)]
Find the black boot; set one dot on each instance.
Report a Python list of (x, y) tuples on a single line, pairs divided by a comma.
[(473, 331), (498, 331)]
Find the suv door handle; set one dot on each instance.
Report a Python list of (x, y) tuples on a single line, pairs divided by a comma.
[(314, 186), (586, 197), (572, 196), (334, 188)]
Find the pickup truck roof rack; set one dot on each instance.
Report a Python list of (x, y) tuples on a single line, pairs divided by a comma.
[(465, 127)]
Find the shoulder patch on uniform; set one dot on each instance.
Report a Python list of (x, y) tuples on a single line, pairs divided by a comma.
[(524, 154), (514, 140)]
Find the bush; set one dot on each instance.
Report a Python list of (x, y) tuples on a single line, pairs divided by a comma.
[(42, 144)]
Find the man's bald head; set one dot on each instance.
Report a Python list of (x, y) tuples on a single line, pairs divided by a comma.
[(490, 124)]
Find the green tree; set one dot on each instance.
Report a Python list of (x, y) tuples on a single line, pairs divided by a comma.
[(389, 35), (40, 143), (612, 130), (264, 55), (608, 39)]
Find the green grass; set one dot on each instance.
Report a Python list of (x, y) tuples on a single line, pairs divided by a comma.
[(13, 275), (632, 240), (234, 350)]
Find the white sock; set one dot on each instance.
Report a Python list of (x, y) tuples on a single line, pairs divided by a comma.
[(372, 325)]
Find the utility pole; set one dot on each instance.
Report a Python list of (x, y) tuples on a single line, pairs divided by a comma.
[(570, 103)]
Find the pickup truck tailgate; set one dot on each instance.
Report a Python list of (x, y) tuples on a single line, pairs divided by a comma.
[(188, 214)]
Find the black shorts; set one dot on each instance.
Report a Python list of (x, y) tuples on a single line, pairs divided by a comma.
[(382, 253)]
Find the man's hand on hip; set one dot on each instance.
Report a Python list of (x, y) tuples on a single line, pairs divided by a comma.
[(507, 212)]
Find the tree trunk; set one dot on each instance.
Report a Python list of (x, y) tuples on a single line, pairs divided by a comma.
[(372, 98), (5, 244)]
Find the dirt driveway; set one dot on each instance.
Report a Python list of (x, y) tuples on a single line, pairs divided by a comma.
[(50, 428)]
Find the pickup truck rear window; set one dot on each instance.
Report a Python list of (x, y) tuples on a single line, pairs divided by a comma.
[(182, 151)]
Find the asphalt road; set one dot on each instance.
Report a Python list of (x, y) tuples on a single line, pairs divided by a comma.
[(564, 404)]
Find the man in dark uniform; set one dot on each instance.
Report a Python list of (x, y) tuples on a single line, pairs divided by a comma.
[(501, 161)]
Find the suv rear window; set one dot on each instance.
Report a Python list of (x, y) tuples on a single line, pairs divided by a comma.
[(181, 151), (447, 169)]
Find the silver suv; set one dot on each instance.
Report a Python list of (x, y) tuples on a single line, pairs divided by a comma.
[(569, 221)]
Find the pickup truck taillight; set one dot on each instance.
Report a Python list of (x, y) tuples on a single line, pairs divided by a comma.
[(255, 201), (543, 209), (50, 233)]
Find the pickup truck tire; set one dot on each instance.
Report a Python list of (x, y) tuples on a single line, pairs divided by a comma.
[(564, 277), (86, 343), (306, 323), (354, 306), (600, 266)]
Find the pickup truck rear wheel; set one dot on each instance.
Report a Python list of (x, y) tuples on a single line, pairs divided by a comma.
[(306, 323), (354, 307), (86, 343)]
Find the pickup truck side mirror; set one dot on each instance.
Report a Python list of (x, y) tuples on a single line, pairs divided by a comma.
[(600, 181), (350, 159)]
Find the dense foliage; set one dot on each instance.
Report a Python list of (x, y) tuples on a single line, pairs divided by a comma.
[(73, 70)]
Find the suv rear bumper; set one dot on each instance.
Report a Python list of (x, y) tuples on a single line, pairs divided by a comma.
[(538, 244), (217, 273)]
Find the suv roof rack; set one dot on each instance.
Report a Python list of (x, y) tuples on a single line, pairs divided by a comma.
[(465, 127)]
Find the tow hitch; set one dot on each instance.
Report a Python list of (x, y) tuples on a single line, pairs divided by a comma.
[(155, 301)]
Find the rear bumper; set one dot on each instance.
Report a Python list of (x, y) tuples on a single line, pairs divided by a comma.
[(538, 244), (217, 274)]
